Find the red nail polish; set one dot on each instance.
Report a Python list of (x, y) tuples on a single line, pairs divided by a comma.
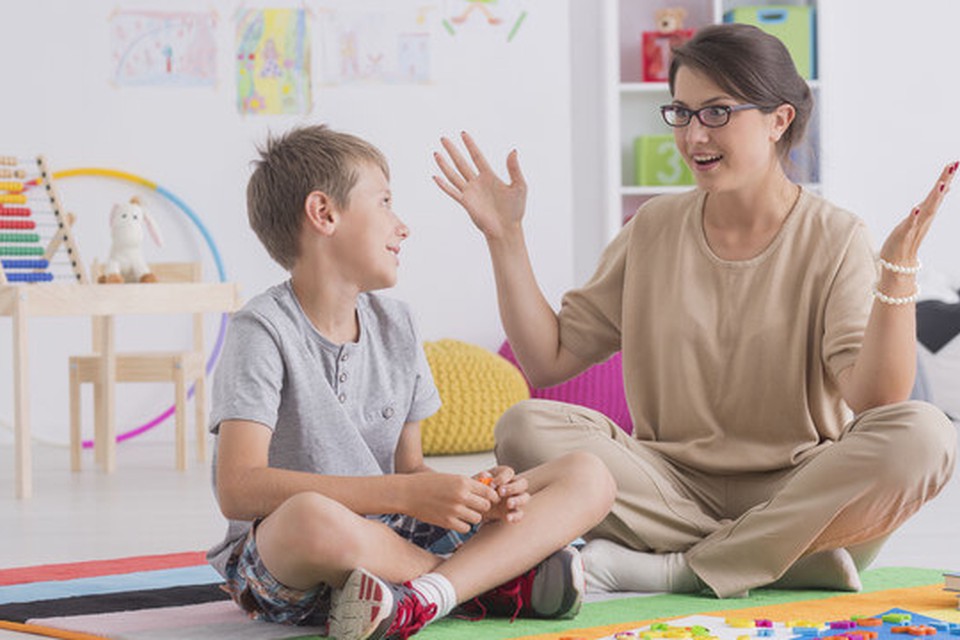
[(952, 168), (916, 211), (942, 187)]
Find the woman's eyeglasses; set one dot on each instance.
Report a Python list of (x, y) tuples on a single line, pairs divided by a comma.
[(713, 117)]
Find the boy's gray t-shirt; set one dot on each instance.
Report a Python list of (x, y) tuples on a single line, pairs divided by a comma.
[(333, 409)]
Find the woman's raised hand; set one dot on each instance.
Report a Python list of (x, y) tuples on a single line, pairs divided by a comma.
[(495, 207), (903, 244)]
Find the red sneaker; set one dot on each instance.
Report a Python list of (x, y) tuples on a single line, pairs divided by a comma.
[(552, 589), (368, 608)]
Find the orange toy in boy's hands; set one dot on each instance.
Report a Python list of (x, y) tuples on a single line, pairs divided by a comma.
[(448, 500), (512, 490)]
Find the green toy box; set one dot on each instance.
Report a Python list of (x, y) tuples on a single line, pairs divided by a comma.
[(659, 163), (794, 25)]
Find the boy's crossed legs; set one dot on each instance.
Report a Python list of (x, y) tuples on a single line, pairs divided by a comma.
[(311, 541)]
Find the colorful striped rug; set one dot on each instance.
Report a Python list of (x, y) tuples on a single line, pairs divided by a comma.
[(178, 597)]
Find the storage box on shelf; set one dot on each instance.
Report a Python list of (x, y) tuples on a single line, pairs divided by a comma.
[(633, 118), (656, 52), (794, 25), (659, 163)]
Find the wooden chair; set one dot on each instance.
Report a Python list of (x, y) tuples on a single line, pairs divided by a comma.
[(179, 367)]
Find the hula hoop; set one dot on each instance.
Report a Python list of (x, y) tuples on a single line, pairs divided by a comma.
[(221, 272)]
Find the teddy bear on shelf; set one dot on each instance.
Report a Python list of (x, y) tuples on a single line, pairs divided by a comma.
[(126, 262), (658, 45), (670, 19)]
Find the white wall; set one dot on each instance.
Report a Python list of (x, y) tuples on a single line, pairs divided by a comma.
[(890, 102), (59, 101), (587, 102)]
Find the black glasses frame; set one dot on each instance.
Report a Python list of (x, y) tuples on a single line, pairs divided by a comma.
[(687, 115)]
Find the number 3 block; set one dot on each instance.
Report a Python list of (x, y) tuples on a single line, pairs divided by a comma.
[(658, 162)]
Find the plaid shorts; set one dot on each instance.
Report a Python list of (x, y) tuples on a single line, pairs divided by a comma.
[(264, 598)]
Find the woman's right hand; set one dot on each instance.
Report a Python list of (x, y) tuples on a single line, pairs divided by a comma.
[(495, 207)]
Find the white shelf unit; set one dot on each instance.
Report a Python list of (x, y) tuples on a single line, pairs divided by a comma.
[(632, 105)]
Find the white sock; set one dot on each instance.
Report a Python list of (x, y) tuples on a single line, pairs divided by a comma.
[(613, 567), (833, 569), (436, 589)]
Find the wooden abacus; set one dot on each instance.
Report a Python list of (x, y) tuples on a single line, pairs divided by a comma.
[(36, 240)]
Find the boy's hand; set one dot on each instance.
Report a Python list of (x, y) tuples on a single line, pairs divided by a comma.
[(451, 501), (511, 490)]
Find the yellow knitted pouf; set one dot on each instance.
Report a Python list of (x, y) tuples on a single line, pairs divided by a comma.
[(476, 386)]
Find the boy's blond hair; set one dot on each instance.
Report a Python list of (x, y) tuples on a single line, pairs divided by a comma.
[(293, 165)]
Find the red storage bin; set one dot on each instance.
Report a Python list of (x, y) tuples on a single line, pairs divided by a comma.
[(657, 46)]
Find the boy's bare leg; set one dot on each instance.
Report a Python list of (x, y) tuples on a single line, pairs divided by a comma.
[(311, 539), (568, 496)]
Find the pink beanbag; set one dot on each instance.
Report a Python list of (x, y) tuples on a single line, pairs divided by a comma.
[(600, 387)]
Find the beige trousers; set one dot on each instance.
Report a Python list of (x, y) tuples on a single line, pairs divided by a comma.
[(744, 531)]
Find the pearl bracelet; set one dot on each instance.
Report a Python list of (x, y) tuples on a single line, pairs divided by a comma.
[(898, 268), (885, 299)]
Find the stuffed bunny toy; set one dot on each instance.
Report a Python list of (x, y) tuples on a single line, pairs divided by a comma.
[(126, 263)]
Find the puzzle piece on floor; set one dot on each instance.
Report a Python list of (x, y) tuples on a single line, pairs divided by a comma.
[(895, 624)]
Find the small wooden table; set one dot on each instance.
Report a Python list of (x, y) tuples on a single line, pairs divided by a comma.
[(21, 302)]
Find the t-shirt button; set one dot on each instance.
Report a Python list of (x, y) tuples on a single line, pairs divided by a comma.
[(342, 398), (344, 356), (387, 412), (342, 377)]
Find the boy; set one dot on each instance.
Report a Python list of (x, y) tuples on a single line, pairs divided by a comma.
[(334, 517)]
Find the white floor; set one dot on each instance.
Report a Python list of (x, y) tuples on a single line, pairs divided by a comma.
[(146, 507)]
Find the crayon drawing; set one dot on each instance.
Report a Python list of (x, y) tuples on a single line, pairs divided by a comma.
[(496, 16), (381, 45), (273, 62), (163, 48)]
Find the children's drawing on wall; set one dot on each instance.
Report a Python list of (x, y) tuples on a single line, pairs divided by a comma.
[(273, 62), (483, 6), (161, 48), (385, 44), (503, 17)]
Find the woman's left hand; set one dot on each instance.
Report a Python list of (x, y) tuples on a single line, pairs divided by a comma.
[(903, 243)]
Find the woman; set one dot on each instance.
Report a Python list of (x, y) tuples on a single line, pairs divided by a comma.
[(744, 313)]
